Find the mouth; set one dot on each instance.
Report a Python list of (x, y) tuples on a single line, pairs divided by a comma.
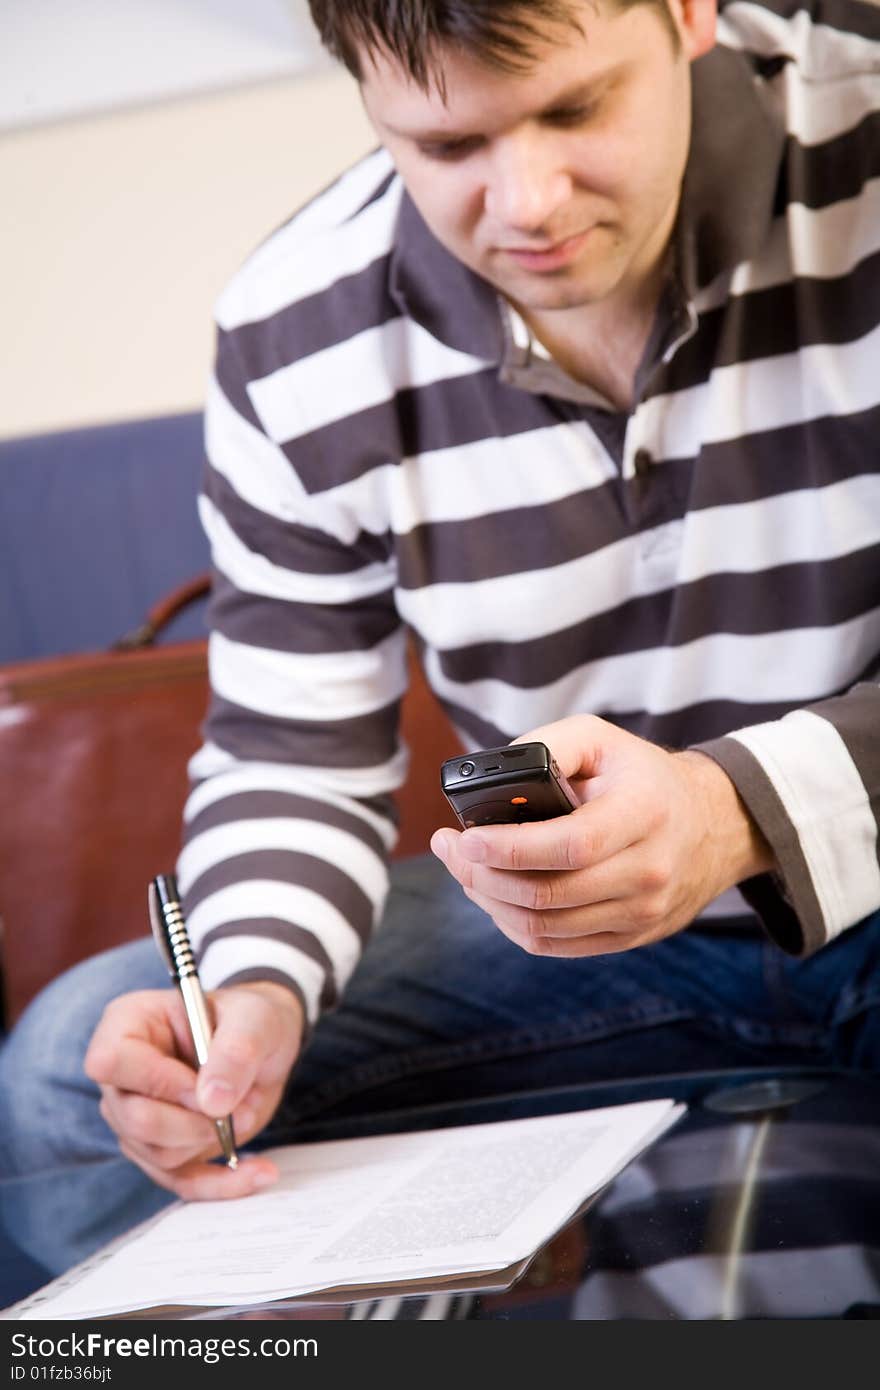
[(554, 257)]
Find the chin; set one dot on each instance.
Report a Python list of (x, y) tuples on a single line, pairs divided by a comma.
[(558, 297), (544, 293), (563, 289)]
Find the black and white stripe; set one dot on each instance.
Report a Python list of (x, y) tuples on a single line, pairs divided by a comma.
[(373, 466)]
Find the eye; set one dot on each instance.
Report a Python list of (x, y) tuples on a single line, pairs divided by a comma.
[(449, 150), (571, 115)]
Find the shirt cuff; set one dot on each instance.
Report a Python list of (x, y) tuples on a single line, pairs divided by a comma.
[(803, 787)]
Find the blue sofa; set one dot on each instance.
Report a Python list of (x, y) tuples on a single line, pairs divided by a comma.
[(96, 525)]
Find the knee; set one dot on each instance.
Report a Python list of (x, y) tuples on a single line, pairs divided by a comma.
[(53, 1033), (41, 1062)]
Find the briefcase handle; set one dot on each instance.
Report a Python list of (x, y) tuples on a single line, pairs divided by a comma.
[(161, 613)]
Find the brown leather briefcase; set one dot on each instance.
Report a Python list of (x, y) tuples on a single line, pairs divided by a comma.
[(93, 755)]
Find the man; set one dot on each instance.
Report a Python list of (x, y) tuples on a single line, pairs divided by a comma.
[(576, 378)]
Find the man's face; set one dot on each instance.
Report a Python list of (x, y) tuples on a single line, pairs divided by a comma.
[(558, 185)]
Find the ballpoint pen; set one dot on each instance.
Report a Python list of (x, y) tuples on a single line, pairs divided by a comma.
[(172, 938)]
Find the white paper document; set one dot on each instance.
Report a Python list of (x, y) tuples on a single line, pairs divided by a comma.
[(356, 1213)]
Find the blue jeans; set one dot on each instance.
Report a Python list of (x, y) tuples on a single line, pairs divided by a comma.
[(443, 1008)]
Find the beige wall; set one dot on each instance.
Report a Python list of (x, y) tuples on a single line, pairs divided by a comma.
[(118, 231)]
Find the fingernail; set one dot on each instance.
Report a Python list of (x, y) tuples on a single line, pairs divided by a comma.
[(441, 844), (473, 847), (215, 1093)]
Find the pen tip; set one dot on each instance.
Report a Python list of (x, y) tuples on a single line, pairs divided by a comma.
[(232, 1162)]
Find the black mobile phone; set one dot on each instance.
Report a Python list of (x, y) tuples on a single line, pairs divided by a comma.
[(503, 786)]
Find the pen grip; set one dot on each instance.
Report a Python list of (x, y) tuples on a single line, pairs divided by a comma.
[(197, 1012), (200, 1026)]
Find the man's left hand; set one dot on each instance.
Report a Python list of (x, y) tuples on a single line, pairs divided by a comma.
[(658, 836)]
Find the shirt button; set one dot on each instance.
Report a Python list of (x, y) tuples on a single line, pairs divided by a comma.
[(642, 463)]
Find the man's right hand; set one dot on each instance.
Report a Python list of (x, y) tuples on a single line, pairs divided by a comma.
[(162, 1106)]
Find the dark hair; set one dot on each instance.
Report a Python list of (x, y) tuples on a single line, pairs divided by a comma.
[(504, 34)]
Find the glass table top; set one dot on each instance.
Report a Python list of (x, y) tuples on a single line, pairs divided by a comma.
[(763, 1201)]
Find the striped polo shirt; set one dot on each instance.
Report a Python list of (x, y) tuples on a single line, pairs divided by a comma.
[(390, 453)]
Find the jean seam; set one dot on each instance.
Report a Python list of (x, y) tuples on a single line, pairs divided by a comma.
[(426, 1060), (853, 1003)]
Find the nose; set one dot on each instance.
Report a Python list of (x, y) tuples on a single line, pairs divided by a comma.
[(526, 184)]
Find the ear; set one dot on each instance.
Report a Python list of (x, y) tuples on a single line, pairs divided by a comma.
[(695, 21)]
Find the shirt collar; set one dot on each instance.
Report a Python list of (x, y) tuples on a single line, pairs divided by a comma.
[(730, 183), (727, 202), (430, 285)]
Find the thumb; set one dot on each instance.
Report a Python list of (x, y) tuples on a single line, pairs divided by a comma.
[(578, 744), (234, 1057)]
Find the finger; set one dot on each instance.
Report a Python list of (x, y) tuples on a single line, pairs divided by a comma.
[(524, 929), (589, 835), (149, 1121), (131, 1064), (278, 1023), (617, 878), (198, 1181), (152, 1020), (600, 929), (577, 743), (170, 1136), (168, 1160), (249, 1041)]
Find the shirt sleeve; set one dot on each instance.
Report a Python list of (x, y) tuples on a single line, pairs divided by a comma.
[(290, 819), (811, 781)]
